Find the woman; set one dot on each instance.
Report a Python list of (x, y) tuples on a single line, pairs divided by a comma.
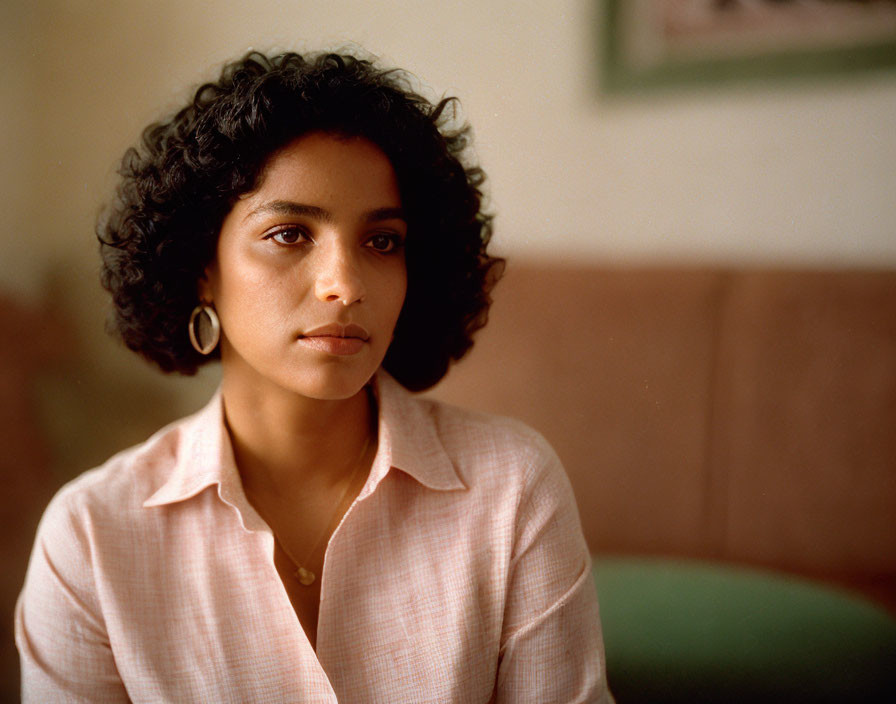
[(315, 532)]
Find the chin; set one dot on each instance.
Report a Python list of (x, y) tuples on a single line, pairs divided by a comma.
[(329, 386)]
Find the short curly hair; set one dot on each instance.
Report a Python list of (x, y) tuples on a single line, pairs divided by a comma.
[(179, 183)]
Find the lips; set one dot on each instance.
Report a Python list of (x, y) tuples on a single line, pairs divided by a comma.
[(335, 338), (337, 330)]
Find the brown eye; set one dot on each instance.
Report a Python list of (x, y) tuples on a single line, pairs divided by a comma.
[(383, 242), (287, 236)]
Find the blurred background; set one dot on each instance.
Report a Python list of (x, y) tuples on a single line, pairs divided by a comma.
[(700, 309)]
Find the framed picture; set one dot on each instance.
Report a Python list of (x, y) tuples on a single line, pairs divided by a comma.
[(654, 43)]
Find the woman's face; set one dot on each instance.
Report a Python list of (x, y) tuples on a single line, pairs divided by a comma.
[(309, 276)]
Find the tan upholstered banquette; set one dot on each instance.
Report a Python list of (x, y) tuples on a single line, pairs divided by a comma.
[(738, 415)]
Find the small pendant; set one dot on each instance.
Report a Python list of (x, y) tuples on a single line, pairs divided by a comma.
[(306, 577)]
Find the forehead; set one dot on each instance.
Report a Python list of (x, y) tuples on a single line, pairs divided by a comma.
[(328, 170)]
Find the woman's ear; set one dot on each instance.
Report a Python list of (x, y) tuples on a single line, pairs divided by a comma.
[(204, 286)]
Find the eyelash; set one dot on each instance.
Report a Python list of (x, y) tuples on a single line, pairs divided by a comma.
[(301, 235), (395, 242)]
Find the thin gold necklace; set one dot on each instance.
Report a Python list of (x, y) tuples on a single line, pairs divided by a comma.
[(302, 573)]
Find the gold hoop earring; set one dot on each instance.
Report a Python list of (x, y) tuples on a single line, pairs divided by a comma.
[(204, 324)]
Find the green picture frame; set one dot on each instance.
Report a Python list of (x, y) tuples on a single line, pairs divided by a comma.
[(622, 70)]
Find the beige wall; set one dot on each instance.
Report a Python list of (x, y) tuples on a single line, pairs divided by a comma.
[(19, 266), (795, 173)]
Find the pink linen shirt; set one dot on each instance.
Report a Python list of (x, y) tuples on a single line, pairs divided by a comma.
[(459, 574)]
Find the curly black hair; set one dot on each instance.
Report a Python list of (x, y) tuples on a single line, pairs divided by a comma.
[(180, 182)]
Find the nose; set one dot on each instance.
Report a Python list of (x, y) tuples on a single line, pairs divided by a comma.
[(339, 278)]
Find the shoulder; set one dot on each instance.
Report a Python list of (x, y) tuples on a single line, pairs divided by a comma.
[(461, 429), (115, 491), (493, 449), (512, 472), (484, 433)]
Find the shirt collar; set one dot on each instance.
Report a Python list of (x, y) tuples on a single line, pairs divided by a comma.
[(205, 458), (408, 440)]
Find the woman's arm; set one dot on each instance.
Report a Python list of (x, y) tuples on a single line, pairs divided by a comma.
[(552, 647), (60, 633)]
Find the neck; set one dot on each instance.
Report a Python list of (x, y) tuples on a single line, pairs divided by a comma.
[(284, 442)]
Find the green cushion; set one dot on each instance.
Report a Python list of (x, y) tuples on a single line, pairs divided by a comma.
[(679, 631)]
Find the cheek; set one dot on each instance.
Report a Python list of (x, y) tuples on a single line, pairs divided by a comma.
[(249, 302), (398, 294), (241, 278)]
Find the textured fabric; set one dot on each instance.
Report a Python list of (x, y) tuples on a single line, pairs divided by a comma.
[(459, 574)]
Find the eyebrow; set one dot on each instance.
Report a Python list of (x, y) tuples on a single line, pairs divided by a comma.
[(288, 207)]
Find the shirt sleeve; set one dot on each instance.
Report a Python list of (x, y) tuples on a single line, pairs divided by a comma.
[(60, 633), (552, 646)]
